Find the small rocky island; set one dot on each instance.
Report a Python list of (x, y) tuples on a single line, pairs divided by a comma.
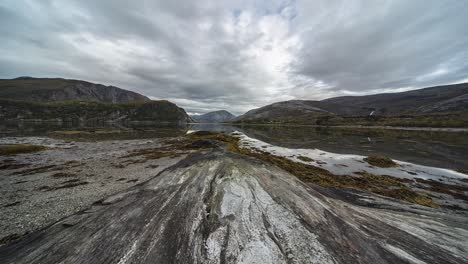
[(208, 197)]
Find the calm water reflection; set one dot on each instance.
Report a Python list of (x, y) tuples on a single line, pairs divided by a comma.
[(438, 149)]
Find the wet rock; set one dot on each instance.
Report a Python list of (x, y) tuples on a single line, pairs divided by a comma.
[(225, 208), (203, 143)]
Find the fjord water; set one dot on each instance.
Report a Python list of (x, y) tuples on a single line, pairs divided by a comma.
[(430, 148)]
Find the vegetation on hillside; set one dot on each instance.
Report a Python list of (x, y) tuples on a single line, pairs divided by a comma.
[(449, 119), (154, 111)]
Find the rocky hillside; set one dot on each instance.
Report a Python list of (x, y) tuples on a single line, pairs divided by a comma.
[(151, 111), (408, 102), (284, 111), (434, 100), (214, 117), (56, 89), (62, 100)]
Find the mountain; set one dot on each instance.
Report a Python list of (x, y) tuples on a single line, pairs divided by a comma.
[(214, 117), (150, 111), (300, 110), (431, 102), (54, 99), (57, 89), (407, 102)]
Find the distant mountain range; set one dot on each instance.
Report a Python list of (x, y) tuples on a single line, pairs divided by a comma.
[(44, 99), (27, 98), (57, 89), (221, 116), (431, 101)]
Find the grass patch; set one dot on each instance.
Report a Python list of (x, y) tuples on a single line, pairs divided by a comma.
[(381, 161), (6, 150), (385, 185), (231, 143), (456, 191), (392, 187), (149, 154), (304, 158), (95, 135), (381, 184)]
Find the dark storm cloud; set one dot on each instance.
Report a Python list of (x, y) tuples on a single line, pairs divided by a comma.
[(235, 55), (383, 45)]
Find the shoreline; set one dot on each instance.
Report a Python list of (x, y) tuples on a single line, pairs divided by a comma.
[(193, 206), (437, 129)]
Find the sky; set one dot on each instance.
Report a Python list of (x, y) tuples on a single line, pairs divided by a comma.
[(238, 55)]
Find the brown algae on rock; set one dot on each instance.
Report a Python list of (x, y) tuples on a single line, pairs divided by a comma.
[(381, 161), (13, 149)]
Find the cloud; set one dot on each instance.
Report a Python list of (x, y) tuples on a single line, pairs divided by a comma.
[(237, 55)]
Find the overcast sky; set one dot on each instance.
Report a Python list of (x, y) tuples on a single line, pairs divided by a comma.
[(237, 55)]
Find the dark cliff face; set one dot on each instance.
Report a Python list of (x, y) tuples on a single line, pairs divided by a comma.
[(54, 90), (151, 111), (214, 117), (432, 100)]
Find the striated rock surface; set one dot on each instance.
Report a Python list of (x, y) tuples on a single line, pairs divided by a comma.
[(225, 208)]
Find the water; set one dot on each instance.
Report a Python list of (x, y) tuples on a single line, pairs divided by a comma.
[(430, 148)]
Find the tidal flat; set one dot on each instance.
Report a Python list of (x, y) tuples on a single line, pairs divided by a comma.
[(211, 197)]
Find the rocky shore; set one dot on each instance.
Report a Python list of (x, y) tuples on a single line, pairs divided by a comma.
[(40, 188), (204, 199)]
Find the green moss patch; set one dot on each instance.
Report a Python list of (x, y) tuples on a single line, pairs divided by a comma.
[(381, 184), (385, 185), (381, 161), (456, 191), (304, 158)]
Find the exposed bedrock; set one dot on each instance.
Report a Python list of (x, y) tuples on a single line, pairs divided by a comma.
[(226, 208)]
